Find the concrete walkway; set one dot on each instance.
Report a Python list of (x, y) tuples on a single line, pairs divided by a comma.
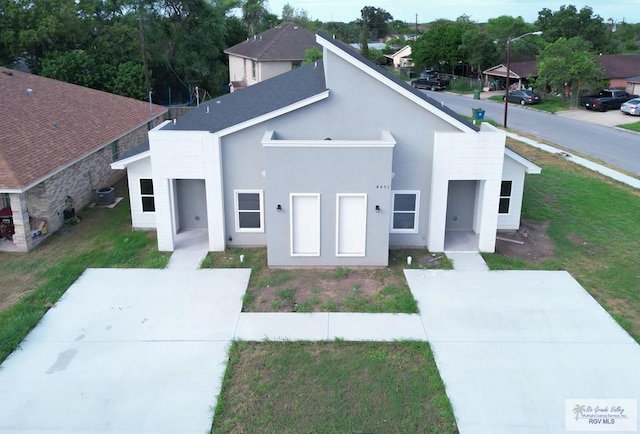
[(145, 351), (191, 248)]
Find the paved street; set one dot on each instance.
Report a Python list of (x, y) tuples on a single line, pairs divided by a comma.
[(588, 133)]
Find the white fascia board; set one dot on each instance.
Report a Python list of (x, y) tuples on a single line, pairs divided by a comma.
[(393, 85), (386, 141), (122, 164), (274, 114), (528, 165)]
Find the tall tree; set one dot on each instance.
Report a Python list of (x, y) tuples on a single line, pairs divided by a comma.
[(364, 39), (377, 20), (438, 48), (568, 22), (568, 63)]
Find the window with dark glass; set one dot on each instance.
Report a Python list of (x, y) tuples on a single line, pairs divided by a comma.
[(505, 197), (146, 193)]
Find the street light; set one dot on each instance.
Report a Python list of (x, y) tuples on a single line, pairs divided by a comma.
[(506, 95)]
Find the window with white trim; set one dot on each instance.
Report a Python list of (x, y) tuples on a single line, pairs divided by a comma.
[(405, 205), (249, 211), (505, 197), (147, 197), (254, 69)]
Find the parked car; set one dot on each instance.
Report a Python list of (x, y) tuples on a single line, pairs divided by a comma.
[(430, 80), (631, 107), (523, 97), (606, 99)]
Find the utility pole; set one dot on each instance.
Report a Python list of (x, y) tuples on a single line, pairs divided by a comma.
[(143, 48)]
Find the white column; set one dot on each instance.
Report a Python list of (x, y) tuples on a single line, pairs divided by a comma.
[(212, 162)]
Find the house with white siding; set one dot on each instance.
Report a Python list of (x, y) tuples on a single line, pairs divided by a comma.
[(270, 53), (330, 164)]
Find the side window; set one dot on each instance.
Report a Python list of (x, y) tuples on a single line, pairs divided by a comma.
[(5, 202), (505, 197), (114, 151), (249, 211), (405, 205), (146, 192), (254, 69)]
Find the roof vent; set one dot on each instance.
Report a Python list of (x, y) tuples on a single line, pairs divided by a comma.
[(9, 73), (174, 122), (295, 27), (207, 109), (29, 91)]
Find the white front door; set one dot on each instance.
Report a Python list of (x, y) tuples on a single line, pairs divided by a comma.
[(351, 224), (305, 224)]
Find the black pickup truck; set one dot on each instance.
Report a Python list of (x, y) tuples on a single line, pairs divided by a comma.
[(430, 80), (606, 99)]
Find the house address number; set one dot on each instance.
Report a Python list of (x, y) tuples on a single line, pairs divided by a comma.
[(383, 187)]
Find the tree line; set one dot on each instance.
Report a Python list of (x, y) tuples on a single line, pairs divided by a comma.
[(172, 47)]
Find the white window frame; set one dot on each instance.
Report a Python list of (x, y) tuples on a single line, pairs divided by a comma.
[(238, 211), (364, 225), (291, 223), (416, 220), (143, 195), (5, 200), (509, 197)]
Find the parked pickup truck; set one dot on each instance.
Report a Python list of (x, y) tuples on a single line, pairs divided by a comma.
[(431, 81), (606, 99)]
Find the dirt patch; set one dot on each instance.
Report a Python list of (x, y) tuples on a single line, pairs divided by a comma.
[(382, 289), (530, 243)]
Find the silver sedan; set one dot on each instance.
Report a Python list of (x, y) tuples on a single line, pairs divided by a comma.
[(631, 107)]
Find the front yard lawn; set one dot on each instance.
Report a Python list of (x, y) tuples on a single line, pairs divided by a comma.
[(332, 387), (632, 127)]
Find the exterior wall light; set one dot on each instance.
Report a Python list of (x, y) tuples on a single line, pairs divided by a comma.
[(377, 208), (279, 208)]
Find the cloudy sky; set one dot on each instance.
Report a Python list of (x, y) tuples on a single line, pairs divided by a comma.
[(478, 10)]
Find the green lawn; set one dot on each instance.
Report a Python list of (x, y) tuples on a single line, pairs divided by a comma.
[(332, 387), (593, 222), (633, 127), (551, 104), (103, 238)]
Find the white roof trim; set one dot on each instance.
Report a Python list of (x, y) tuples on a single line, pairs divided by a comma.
[(393, 85), (122, 164), (528, 165), (386, 141), (267, 116)]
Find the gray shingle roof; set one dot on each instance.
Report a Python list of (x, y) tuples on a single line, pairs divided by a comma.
[(288, 41), (253, 101)]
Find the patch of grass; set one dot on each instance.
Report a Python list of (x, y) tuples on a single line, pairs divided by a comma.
[(594, 226), (632, 127), (550, 103), (103, 239), (341, 272), (356, 387)]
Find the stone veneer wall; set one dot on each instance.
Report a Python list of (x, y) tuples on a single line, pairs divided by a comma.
[(46, 201)]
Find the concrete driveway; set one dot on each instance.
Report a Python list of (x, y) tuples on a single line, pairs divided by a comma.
[(512, 346), (125, 351)]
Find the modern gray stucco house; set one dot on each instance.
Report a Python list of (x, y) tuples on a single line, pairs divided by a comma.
[(329, 164)]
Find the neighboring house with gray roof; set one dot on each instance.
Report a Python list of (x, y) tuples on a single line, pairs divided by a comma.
[(268, 54), (58, 140), (314, 165)]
